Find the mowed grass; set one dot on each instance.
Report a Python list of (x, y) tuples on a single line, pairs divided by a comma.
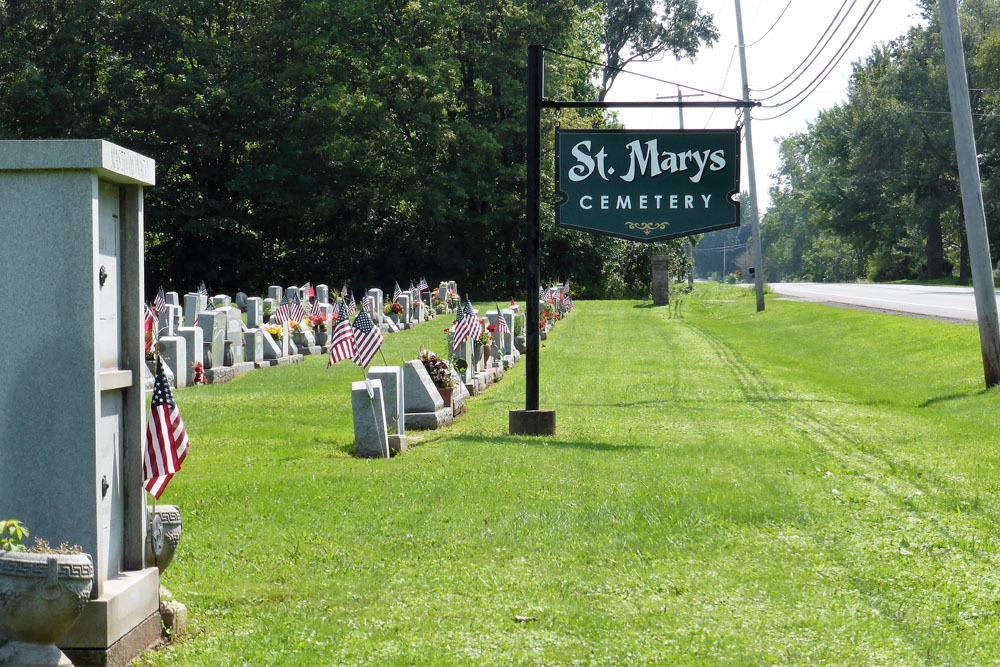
[(804, 485)]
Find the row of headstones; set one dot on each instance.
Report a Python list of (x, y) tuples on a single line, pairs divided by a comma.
[(393, 397), (225, 346)]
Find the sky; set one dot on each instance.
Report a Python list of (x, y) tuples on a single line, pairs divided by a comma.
[(774, 48)]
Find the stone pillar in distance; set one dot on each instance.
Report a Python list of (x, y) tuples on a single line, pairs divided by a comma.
[(661, 279)]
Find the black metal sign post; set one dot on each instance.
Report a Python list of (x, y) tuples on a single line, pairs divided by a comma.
[(531, 420)]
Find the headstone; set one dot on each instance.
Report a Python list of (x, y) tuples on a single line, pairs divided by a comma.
[(505, 341), (241, 300), (270, 305), (323, 293), (453, 286), (194, 349), (272, 349), (370, 432), (173, 351), (275, 292), (222, 301), (234, 331), (404, 301), (253, 342), (443, 293), (71, 215), (391, 378), (166, 321), (213, 330), (194, 303), (421, 399), (255, 312), (172, 299), (376, 295), (660, 266), (417, 312), (291, 292)]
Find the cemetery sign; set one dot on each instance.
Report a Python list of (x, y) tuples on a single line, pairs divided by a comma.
[(647, 185)]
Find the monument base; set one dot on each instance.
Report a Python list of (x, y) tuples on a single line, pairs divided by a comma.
[(531, 422), (429, 421), (119, 625), (398, 443)]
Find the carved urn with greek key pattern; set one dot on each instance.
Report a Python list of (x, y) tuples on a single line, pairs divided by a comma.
[(163, 532), (41, 596)]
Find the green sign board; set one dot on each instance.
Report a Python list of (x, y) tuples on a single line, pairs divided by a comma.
[(647, 185)]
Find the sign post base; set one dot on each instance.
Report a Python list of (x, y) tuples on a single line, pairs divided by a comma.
[(531, 422)]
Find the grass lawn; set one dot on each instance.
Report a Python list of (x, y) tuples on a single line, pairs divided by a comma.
[(804, 485)]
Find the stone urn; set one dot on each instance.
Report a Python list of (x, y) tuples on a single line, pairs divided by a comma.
[(41, 596), (299, 339), (163, 532), (487, 353), (322, 338), (446, 393)]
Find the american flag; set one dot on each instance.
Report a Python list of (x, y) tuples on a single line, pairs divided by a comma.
[(343, 290), (316, 310), (368, 305), (308, 290), (202, 290), (160, 302), (295, 310), (501, 322), (352, 307), (166, 439), (422, 285), (281, 313), (149, 326), (367, 339), (549, 296), (396, 293), (466, 324), (342, 342), (413, 291)]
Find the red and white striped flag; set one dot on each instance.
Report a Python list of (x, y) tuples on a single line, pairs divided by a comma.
[(343, 290), (368, 305), (501, 322), (367, 339), (467, 325), (149, 325), (166, 438), (281, 313), (295, 310), (352, 307), (160, 302), (396, 293), (316, 310), (342, 341)]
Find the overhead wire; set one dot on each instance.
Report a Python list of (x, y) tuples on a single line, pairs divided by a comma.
[(639, 74), (813, 49), (725, 77), (818, 80), (780, 16)]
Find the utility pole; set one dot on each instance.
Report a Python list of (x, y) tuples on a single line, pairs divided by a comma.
[(680, 119), (758, 257), (972, 192)]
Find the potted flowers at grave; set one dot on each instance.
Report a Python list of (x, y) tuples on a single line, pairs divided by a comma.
[(42, 593), (394, 311), (440, 373), (486, 340), (298, 335), (276, 331), (318, 324)]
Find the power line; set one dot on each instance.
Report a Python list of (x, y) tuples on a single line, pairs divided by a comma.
[(724, 79), (761, 38), (813, 49), (644, 76), (831, 66)]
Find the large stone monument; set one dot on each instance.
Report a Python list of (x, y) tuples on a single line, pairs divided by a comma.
[(71, 212)]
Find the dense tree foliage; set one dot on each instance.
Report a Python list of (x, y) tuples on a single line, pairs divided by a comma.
[(326, 139), (871, 189)]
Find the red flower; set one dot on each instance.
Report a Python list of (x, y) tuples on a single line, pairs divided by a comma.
[(448, 329), (512, 302), (490, 328)]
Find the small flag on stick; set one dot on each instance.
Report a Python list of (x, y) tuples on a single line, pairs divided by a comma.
[(367, 339), (342, 341), (166, 437), (160, 302)]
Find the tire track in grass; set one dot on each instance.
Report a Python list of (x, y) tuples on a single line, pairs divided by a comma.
[(919, 507)]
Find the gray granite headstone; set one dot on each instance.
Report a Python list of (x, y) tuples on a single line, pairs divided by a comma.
[(376, 296), (275, 292), (166, 321), (241, 299), (194, 303), (391, 378), (272, 349), (255, 312), (173, 351), (222, 301), (404, 301), (172, 299), (213, 328), (323, 293), (291, 292), (370, 432), (253, 341), (419, 392), (234, 331), (194, 349)]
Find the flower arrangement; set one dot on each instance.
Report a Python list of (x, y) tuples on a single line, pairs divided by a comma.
[(437, 368), (317, 322), (440, 307), (485, 338), (549, 308), (199, 373), (276, 331), (294, 325), (392, 308)]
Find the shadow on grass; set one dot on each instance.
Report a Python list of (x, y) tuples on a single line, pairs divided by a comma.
[(648, 305), (554, 442), (952, 397)]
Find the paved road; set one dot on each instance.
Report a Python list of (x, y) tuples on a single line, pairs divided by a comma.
[(947, 302)]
